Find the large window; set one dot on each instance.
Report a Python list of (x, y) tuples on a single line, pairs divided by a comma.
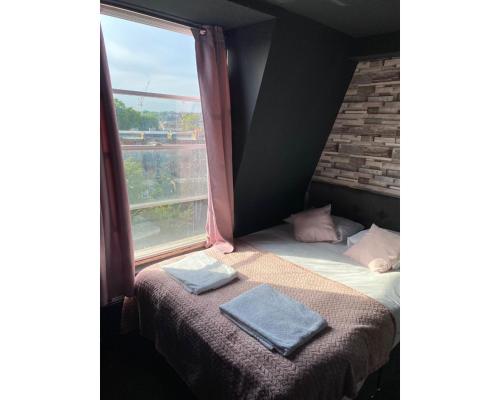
[(155, 85)]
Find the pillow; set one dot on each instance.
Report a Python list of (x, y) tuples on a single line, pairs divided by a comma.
[(351, 240), (343, 227), (323, 209), (314, 225), (378, 250), (346, 228)]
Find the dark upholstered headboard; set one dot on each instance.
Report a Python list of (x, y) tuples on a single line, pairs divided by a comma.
[(358, 205)]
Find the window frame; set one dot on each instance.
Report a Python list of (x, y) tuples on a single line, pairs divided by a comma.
[(182, 246), (145, 19)]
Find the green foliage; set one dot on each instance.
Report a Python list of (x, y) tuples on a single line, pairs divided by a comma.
[(148, 176), (130, 119), (146, 183), (190, 121), (170, 217), (136, 184)]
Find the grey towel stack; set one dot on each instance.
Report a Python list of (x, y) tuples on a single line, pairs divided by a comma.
[(274, 319), (199, 273)]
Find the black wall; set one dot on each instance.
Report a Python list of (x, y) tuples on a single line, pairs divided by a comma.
[(359, 205), (377, 46), (283, 122), (248, 50)]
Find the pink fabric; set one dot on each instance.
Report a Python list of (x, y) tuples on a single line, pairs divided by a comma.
[(218, 360), (377, 250), (314, 225), (117, 254), (312, 211), (213, 78)]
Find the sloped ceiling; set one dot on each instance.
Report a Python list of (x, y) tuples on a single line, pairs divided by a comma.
[(279, 135), (248, 50)]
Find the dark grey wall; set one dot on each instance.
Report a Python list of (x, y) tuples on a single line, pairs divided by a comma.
[(373, 47), (359, 205), (278, 140), (248, 50)]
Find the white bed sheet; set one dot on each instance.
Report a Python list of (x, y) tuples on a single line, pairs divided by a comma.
[(327, 260)]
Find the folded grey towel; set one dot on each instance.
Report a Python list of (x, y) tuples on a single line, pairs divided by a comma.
[(199, 273), (275, 320)]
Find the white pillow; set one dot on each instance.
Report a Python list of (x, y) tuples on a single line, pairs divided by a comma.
[(378, 250)]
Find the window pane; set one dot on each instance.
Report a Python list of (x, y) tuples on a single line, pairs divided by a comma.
[(175, 173), (154, 229), (153, 114), (163, 141), (149, 59)]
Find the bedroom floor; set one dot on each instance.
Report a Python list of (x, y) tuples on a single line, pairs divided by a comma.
[(131, 369)]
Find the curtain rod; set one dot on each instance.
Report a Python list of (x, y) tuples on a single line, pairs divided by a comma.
[(152, 13)]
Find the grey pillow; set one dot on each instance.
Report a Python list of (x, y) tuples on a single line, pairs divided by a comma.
[(346, 227)]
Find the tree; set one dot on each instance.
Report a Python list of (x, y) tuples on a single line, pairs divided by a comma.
[(136, 184), (190, 121), (149, 177), (130, 119)]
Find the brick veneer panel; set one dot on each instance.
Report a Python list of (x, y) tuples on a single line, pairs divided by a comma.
[(362, 150)]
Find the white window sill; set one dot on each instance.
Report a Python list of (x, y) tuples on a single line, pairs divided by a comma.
[(151, 255)]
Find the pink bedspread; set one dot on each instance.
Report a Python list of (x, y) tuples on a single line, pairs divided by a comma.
[(219, 361)]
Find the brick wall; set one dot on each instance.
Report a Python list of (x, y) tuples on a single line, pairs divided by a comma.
[(362, 150)]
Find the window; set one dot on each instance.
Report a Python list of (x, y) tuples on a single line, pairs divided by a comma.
[(155, 85)]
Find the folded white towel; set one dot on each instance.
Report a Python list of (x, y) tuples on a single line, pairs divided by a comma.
[(199, 273)]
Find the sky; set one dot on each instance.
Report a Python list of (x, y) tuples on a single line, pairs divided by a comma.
[(150, 59)]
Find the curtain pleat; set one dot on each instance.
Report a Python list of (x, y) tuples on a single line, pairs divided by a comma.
[(117, 253), (211, 62)]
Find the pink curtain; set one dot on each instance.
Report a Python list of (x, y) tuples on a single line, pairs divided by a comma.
[(117, 254), (211, 62)]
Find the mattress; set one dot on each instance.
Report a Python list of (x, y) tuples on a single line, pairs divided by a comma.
[(327, 260)]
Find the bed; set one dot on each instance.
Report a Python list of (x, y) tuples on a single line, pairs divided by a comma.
[(327, 260), (218, 360)]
